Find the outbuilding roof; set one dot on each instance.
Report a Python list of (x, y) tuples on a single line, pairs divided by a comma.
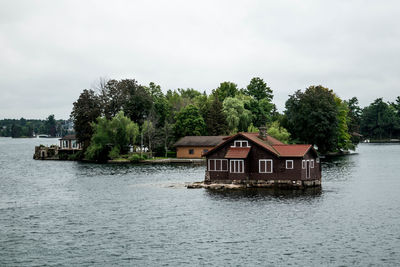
[(200, 141)]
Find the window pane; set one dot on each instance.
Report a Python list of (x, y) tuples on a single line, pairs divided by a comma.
[(269, 167), (212, 165), (262, 166), (224, 165), (218, 165)]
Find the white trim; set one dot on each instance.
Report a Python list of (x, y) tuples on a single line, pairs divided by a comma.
[(266, 168), (308, 169), (312, 163), (240, 161), (215, 165), (291, 161), (241, 143), (303, 164)]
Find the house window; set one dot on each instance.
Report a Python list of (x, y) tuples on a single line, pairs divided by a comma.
[(65, 143), (191, 151), (219, 165), (265, 166), (241, 143), (317, 160), (237, 166), (303, 164), (73, 143), (289, 164), (312, 163)]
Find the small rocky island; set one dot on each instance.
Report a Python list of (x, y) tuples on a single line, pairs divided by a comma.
[(256, 160)]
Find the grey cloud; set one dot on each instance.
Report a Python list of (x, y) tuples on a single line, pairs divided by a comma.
[(51, 50)]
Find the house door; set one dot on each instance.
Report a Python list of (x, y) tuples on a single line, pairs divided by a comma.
[(308, 169)]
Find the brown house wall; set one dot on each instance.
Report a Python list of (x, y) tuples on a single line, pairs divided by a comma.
[(183, 152), (252, 166)]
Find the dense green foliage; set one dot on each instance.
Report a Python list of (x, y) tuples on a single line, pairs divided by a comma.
[(277, 131), (85, 111), (30, 128), (189, 122), (111, 137), (237, 116), (315, 116), (381, 120)]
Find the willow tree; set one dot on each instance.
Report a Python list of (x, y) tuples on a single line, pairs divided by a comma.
[(111, 137), (237, 117)]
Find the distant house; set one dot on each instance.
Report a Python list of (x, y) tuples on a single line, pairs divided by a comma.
[(69, 143), (196, 146), (259, 159)]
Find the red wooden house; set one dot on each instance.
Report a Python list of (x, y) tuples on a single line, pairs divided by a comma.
[(256, 159)]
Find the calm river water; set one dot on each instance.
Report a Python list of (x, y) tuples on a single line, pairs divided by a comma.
[(76, 214)]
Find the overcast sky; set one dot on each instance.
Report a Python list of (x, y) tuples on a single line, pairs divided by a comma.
[(51, 50)]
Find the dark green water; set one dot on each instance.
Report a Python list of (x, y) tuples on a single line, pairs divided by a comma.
[(74, 214)]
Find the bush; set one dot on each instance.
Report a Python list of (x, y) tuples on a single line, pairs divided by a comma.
[(114, 153), (63, 156), (171, 154), (76, 156), (137, 157)]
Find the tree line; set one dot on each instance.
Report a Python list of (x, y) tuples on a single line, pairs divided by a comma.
[(122, 113), (31, 127)]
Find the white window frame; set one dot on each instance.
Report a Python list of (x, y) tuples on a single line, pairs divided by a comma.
[(215, 165), (266, 169), (241, 142), (74, 144), (312, 163), (234, 165), (317, 160), (303, 164), (291, 161)]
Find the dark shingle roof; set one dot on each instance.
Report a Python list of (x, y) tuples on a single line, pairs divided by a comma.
[(200, 141)]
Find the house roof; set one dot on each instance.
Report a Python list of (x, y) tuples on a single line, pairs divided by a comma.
[(269, 143), (292, 150), (69, 137), (199, 141), (237, 152)]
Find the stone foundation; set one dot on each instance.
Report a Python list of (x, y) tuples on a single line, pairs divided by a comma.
[(238, 184)]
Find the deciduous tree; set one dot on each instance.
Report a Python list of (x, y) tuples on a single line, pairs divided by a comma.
[(312, 117), (238, 118), (226, 89), (189, 122), (85, 111), (111, 137)]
